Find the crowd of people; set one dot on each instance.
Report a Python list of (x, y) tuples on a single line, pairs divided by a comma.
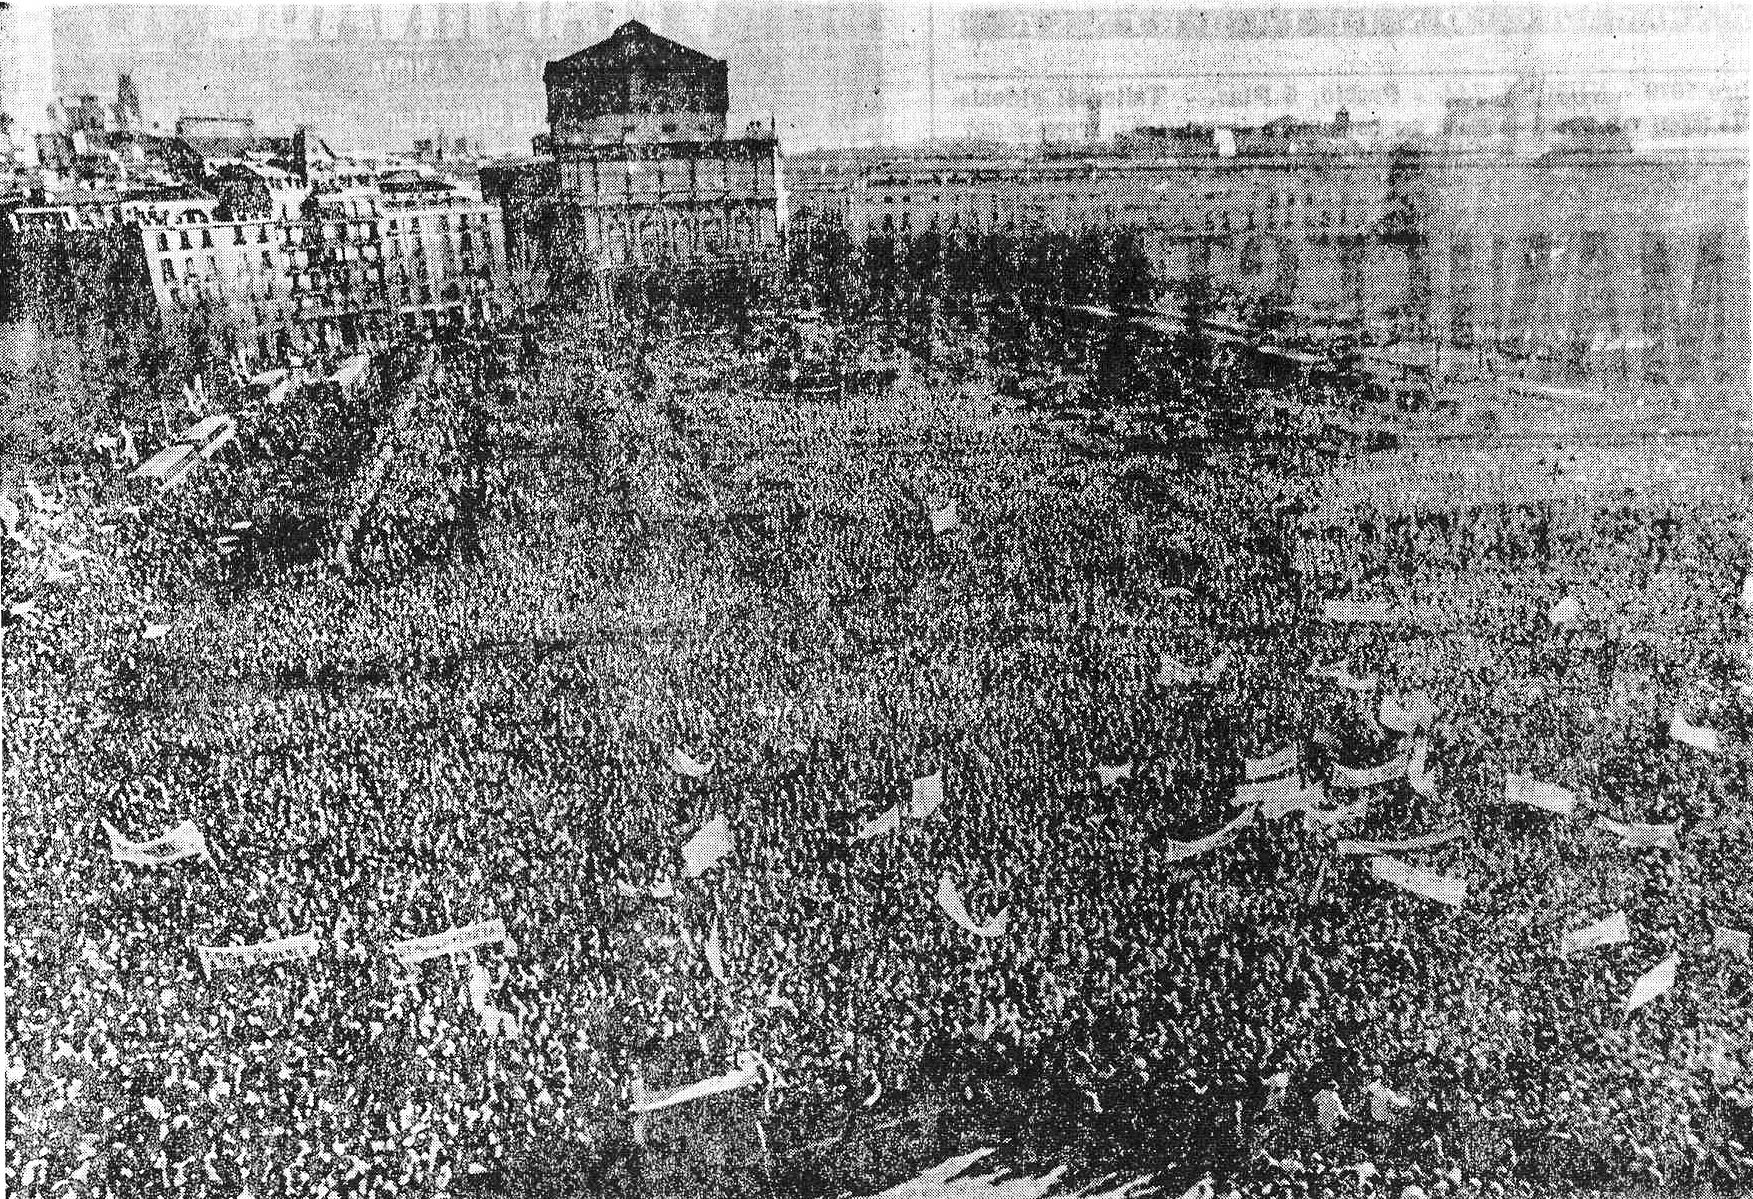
[(703, 564)]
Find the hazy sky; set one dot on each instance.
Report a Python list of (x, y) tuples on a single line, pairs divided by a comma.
[(373, 75)]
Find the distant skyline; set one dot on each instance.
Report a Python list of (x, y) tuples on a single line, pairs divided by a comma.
[(374, 76)]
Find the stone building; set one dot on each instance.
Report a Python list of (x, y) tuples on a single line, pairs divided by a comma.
[(636, 170), (346, 269)]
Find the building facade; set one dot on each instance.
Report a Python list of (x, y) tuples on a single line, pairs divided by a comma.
[(350, 268), (635, 170)]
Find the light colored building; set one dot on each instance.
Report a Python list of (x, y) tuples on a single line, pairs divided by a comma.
[(348, 269)]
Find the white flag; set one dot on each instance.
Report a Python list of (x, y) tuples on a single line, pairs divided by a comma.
[(1406, 716), (1425, 883), (1609, 930), (1387, 1106), (1175, 672), (454, 940), (1691, 734), (685, 766), (1732, 941), (879, 826), (1566, 611), (1654, 983), (950, 900), (154, 632), (927, 796), (706, 848), (10, 515), (1272, 765), (264, 953), (1419, 776), (1109, 775), (1643, 836), (945, 518), (183, 841), (1548, 797), (747, 1073), (1747, 592)]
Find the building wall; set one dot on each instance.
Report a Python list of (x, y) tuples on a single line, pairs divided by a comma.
[(677, 203), (361, 265), (1576, 268)]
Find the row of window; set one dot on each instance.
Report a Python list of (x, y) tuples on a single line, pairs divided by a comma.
[(443, 224)]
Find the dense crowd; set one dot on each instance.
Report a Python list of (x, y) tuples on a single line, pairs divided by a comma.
[(426, 741)]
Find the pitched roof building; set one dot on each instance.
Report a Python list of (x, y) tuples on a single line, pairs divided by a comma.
[(636, 85)]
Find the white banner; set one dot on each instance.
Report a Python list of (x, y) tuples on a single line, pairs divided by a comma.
[(1733, 941), (1566, 611), (747, 1073), (945, 518), (1419, 776), (1609, 930), (469, 936), (1280, 797), (1425, 841), (1696, 736), (706, 848), (685, 766), (950, 899), (715, 954), (1653, 983), (1643, 836), (1406, 716), (1548, 797), (1272, 765), (1369, 776), (1428, 884), (183, 841), (927, 796), (264, 953), (1175, 851), (878, 826), (1109, 775)]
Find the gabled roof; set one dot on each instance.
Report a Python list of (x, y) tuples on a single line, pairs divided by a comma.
[(631, 45)]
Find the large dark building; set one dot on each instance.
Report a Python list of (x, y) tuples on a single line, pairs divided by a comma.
[(635, 85), (635, 170)]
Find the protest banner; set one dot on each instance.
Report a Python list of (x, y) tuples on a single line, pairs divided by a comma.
[(183, 841), (455, 940), (1430, 885), (264, 953), (949, 898)]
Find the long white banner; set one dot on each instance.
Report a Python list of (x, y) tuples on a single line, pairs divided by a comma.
[(747, 1073), (469, 936), (1175, 851), (263, 953), (183, 841), (1424, 841), (1437, 888)]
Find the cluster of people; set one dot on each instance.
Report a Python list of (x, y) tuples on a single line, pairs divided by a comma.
[(762, 586)]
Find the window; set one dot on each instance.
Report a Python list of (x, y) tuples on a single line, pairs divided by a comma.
[(170, 270), (164, 241), (206, 239), (237, 235), (183, 237)]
